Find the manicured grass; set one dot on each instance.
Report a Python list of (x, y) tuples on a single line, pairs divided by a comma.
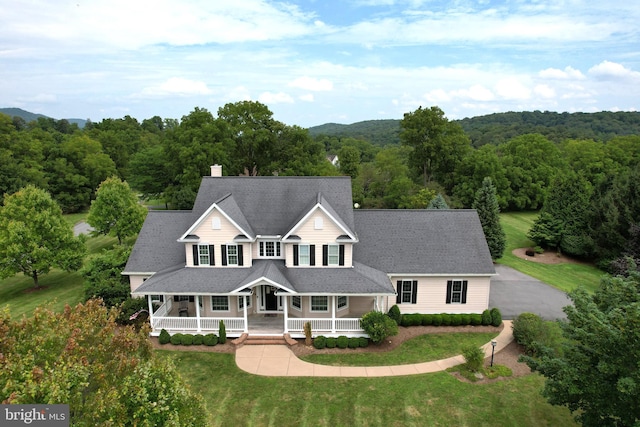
[(563, 276), (234, 398), (73, 219), (423, 348)]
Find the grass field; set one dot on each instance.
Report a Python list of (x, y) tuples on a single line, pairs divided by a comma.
[(563, 276), (235, 398), (416, 350)]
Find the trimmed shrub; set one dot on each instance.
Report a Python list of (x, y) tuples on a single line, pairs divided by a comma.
[(363, 342), (394, 313), (187, 339), (222, 332), (465, 319), (456, 320), (405, 320), (164, 337), (320, 342), (476, 319), (446, 319), (536, 335), (198, 339), (354, 342), (436, 319), (176, 339), (474, 358), (496, 317), (210, 339), (331, 342), (343, 341), (486, 318), (378, 326), (412, 319), (427, 319)]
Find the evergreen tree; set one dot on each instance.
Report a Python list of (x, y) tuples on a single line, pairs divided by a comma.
[(438, 202), (486, 203)]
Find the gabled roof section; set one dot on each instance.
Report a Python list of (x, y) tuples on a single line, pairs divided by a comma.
[(434, 242), (157, 246), (228, 208), (323, 204), (273, 204)]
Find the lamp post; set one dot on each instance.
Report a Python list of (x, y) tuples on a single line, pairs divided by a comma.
[(493, 349)]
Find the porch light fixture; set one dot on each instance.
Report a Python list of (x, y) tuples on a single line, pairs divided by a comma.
[(493, 349)]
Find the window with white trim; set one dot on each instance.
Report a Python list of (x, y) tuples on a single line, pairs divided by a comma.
[(269, 249), (407, 291), (157, 298), (232, 254), (319, 303), (219, 303), (333, 254), (203, 254), (296, 302), (304, 257), (241, 299), (343, 302)]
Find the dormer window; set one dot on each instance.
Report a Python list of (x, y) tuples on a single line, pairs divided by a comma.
[(203, 255), (269, 249), (232, 255)]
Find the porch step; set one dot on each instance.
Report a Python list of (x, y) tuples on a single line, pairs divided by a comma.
[(246, 339)]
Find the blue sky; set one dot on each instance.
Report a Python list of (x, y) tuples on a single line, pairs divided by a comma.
[(314, 62)]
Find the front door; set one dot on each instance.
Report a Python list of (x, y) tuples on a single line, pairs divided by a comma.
[(270, 299)]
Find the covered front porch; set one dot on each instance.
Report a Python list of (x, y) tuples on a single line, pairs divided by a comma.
[(262, 312)]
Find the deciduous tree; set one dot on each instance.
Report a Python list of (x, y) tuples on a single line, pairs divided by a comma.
[(597, 376), (116, 210), (34, 236)]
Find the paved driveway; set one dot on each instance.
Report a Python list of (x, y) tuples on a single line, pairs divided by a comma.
[(514, 293)]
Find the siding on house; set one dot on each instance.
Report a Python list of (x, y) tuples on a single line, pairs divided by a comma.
[(136, 280), (432, 295), (223, 236)]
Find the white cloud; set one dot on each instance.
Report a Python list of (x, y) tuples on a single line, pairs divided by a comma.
[(44, 98), (607, 70), (569, 73), (306, 97), (271, 98), (511, 89), (310, 83), (176, 86), (478, 93), (544, 91)]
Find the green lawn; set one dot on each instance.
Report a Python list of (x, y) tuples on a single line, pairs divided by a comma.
[(563, 276), (235, 398), (423, 348)]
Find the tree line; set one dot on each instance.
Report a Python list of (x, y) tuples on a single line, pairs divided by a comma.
[(164, 160)]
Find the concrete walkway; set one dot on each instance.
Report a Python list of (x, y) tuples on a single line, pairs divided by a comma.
[(279, 361)]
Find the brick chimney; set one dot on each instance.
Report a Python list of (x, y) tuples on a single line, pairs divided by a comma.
[(216, 170)]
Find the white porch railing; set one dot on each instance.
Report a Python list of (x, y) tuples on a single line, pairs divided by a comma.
[(325, 325), (206, 324)]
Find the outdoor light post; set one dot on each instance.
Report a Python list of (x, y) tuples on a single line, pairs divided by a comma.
[(493, 349)]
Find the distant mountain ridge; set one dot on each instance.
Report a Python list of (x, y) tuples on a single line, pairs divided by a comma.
[(29, 116), (500, 127)]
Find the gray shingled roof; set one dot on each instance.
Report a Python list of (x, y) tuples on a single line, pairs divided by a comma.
[(272, 204), (344, 281), (433, 241), (156, 247)]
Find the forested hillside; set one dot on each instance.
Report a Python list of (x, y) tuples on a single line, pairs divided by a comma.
[(500, 127), (595, 178)]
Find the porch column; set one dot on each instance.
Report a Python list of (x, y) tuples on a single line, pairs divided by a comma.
[(246, 317), (150, 304), (198, 313), (286, 314), (333, 314)]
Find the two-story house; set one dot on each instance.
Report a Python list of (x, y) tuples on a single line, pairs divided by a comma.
[(267, 254)]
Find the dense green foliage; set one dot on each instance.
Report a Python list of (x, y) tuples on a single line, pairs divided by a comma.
[(378, 326), (597, 376), (105, 373), (538, 337), (473, 357), (116, 211), (486, 203), (103, 276), (392, 163), (34, 237)]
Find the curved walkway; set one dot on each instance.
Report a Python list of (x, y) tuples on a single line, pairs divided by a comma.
[(279, 361)]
